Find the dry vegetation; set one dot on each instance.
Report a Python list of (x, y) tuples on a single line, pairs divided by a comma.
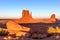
[(54, 30)]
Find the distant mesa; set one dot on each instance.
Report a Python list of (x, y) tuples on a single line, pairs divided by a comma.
[(27, 18)]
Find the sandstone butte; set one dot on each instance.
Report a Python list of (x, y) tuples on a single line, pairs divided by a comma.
[(27, 18)]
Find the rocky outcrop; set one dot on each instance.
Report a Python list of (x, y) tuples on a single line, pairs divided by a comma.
[(53, 18), (15, 28), (26, 17)]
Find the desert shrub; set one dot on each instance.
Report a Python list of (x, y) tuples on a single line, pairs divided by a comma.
[(51, 30), (35, 36), (57, 29), (54, 30), (3, 32)]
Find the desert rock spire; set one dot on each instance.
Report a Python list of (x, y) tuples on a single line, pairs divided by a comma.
[(53, 18)]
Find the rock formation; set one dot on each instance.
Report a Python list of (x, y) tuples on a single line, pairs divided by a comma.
[(14, 28), (53, 18), (27, 18), (26, 14)]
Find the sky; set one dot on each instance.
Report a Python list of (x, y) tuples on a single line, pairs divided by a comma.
[(39, 8)]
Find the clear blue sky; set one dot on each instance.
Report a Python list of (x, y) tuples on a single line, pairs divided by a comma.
[(39, 8)]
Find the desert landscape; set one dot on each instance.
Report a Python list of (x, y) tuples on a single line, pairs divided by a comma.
[(29, 19), (28, 28)]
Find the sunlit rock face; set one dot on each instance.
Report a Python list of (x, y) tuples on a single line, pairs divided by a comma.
[(14, 28), (27, 18), (26, 14)]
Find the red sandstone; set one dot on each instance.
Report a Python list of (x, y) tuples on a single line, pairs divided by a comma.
[(27, 18)]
